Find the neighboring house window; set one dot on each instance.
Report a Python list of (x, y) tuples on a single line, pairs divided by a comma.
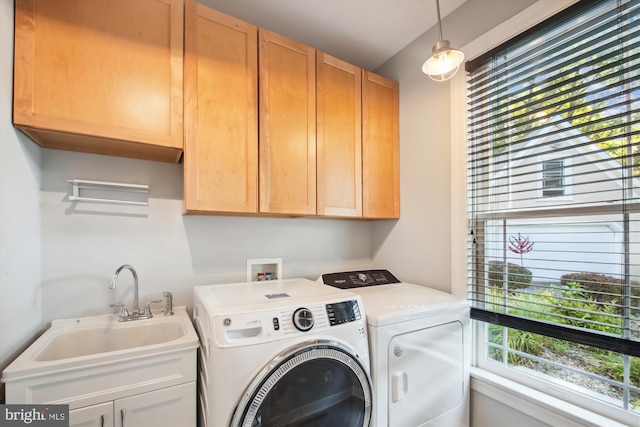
[(553, 178), (555, 287)]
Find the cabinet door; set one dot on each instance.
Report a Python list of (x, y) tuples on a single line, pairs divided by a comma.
[(100, 415), (170, 407), (101, 76), (339, 143), (287, 116), (221, 93), (380, 147)]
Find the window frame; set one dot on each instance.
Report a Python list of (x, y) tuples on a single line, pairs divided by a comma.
[(531, 16)]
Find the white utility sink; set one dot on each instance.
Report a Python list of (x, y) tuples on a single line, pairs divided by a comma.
[(84, 339), (102, 352)]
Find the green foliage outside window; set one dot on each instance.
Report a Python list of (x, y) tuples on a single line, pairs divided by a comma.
[(518, 277), (569, 304)]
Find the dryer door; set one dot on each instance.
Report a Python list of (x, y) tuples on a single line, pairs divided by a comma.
[(426, 373), (318, 383)]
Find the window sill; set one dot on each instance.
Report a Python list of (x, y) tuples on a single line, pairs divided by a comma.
[(541, 406), (554, 199)]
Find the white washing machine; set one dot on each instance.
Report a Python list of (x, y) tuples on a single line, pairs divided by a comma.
[(282, 353), (420, 350)]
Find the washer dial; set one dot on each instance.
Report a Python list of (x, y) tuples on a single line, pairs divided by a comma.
[(303, 319)]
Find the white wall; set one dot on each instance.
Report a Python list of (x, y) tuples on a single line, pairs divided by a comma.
[(488, 412), (83, 243), (418, 247), (20, 317)]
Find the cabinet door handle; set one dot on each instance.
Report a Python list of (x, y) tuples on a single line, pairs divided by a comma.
[(123, 415), (102, 420)]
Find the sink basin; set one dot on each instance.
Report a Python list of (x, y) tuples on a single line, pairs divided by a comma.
[(100, 352), (78, 341)]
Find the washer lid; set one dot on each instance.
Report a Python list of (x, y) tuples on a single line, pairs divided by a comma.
[(399, 302), (249, 296)]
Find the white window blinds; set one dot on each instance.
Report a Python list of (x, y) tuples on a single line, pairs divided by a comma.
[(555, 249)]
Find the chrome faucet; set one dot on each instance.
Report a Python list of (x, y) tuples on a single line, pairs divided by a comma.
[(136, 306), (135, 314)]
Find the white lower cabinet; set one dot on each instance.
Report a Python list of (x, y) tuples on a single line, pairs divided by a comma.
[(171, 406), (100, 415)]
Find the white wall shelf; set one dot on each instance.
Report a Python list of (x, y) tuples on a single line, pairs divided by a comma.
[(96, 188)]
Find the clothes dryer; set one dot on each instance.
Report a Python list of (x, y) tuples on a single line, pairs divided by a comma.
[(286, 353), (420, 350)]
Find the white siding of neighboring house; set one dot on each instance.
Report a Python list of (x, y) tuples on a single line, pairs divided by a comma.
[(595, 244), (598, 245)]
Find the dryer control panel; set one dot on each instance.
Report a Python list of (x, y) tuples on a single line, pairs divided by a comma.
[(359, 279)]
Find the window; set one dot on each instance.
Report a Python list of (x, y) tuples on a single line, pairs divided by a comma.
[(553, 178), (556, 280)]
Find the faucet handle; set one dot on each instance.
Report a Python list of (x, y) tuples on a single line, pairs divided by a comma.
[(147, 307), (123, 312), (168, 308)]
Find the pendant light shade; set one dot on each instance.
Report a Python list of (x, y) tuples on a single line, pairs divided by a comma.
[(444, 60)]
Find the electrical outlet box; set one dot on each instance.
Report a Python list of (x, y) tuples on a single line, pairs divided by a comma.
[(267, 267)]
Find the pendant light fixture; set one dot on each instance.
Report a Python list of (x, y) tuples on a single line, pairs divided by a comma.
[(444, 61)]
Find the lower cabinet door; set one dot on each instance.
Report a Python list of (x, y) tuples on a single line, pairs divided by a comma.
[(170, 407), (100, 415)]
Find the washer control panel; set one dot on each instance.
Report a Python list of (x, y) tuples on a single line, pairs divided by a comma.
[(343, 312), (258, 326)]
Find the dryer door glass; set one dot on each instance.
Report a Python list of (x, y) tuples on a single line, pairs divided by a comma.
[(317, 385)]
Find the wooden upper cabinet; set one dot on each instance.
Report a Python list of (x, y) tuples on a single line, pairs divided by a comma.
[(221, 124), (287, 116), (101, 76), (380, 147), (339, 137)]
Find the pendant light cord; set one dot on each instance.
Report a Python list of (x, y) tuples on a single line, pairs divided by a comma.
[(439, 21)]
